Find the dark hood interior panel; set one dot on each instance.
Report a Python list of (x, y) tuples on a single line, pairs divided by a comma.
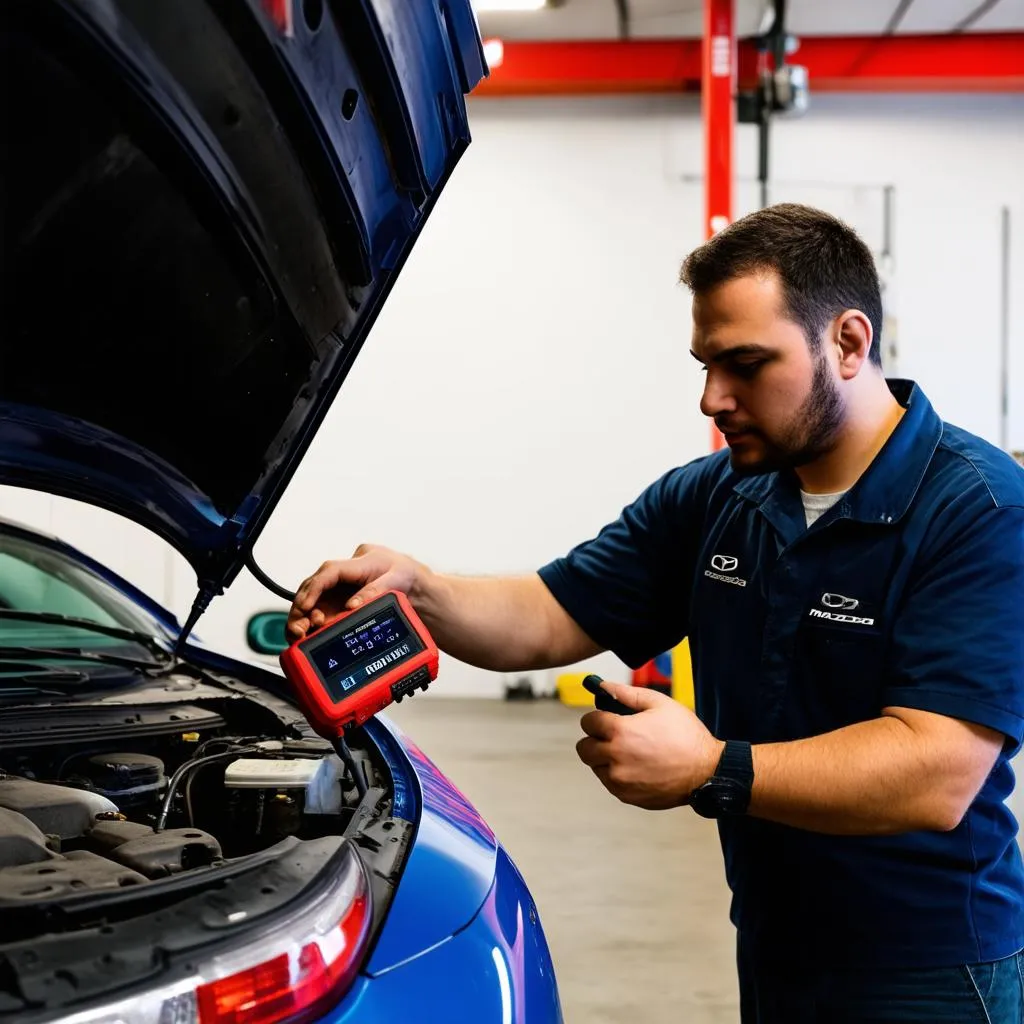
[(203, 217)]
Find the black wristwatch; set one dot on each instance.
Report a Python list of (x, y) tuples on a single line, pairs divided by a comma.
[(727, 792)]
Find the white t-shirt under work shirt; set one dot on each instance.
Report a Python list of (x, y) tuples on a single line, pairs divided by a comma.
[(816, 505)]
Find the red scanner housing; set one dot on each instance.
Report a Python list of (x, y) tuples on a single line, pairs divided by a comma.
[(359, 662)]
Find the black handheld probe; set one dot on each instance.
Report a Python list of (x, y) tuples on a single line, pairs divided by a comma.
[(603, 700)]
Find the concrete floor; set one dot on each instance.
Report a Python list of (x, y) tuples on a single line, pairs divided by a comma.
[(633, 902)]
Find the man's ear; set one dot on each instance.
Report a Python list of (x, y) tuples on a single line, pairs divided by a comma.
[(852, 335)]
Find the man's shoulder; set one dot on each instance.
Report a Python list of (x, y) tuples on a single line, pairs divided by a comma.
[(699, 482), (967, 466)]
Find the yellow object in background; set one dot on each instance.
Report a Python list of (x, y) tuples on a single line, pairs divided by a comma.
[(682, 674), (569, 687)]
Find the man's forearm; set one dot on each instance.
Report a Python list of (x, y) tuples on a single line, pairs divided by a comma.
[(874, 778), (504, 624)]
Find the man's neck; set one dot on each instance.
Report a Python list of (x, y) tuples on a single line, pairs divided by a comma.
[(869, 425)]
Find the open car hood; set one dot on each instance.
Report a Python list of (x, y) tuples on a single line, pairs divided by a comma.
[(206, 203)]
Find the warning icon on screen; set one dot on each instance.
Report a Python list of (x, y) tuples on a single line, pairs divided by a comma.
[(332, 663)]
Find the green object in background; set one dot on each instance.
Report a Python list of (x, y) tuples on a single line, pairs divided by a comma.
[(265, 633)]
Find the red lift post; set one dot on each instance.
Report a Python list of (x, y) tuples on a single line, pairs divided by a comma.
[(718, 107), (718, 89)]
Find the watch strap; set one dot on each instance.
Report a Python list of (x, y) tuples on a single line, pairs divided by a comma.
[(736, 763)]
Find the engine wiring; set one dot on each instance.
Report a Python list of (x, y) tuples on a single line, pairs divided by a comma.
[(191, 766), (238, 746), (232, 742)]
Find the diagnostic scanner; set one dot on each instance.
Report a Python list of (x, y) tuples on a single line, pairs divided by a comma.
[(359, 662), (603, 700)]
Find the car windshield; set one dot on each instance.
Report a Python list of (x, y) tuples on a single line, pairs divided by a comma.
[(40, 591)]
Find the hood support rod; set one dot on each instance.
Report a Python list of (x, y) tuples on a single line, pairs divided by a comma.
[(208, 590)]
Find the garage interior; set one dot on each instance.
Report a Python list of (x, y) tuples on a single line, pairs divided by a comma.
[(537, 348)]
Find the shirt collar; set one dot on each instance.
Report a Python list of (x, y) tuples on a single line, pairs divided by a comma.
[(888, 486)]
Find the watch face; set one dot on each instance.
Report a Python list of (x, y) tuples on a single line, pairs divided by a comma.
[(718, 797)]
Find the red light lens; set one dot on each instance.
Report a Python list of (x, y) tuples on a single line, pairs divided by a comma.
[(281, 989), (280, 12), (250, 996)]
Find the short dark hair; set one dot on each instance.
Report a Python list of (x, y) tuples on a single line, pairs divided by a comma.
[(822, 263)]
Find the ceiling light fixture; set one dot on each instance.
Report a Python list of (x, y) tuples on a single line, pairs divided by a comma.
[(494, 53)]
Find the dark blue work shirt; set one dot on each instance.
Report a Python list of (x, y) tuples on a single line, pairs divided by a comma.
[(910, 593)]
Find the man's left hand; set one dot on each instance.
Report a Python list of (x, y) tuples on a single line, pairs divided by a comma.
[(654, 759)]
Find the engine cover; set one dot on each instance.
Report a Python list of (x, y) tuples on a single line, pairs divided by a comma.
[(78, 872), (154, 854), (20, 841), (30, 870), (54, 810)]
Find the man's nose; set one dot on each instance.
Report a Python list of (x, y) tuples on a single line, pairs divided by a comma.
[(717, 397)]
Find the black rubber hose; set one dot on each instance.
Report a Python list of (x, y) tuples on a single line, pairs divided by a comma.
[(188, 766), (262, 577), (350, 762)]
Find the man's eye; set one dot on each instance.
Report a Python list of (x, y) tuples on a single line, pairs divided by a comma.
[(748, 369)]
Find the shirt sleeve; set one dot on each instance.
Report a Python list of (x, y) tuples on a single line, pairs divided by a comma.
[(958, 643), (629, 588)]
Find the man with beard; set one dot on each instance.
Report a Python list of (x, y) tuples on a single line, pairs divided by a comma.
[(850, 574)]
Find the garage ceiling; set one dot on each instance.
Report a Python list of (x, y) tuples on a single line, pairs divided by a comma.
[(598, 19)]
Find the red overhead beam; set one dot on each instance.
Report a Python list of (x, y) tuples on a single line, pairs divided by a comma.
[(979, 62)]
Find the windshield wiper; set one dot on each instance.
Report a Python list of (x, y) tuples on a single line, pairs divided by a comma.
[(8, 693), (76, 654), (23, 673), (25, 670), (118, 632)]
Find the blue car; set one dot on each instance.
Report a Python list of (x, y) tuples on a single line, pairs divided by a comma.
[(205, 205)]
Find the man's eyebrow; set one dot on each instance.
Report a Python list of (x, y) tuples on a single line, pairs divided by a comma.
[(750, 349)]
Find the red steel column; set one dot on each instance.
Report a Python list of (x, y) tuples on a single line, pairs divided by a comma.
[(718, 88)]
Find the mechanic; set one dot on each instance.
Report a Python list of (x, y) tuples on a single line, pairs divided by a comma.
[(850, 574)]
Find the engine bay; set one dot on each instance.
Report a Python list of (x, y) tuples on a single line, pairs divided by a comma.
[(143, 827), (103, 814)]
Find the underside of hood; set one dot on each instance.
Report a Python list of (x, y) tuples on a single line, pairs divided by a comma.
[(206, 202)]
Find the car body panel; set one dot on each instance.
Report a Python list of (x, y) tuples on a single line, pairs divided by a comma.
[(450, 867), (497, 970)]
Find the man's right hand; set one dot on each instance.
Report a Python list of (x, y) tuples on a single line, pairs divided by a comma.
[(349, 582), (505, 624)]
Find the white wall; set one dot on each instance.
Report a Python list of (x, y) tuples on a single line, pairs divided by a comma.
[(954, 160), (529, 375)]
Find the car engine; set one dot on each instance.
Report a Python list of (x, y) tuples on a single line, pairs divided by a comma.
[(91, 820)]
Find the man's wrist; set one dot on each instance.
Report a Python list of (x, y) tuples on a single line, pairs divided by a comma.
[(428, 593), (421, 585), (712, 757)]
